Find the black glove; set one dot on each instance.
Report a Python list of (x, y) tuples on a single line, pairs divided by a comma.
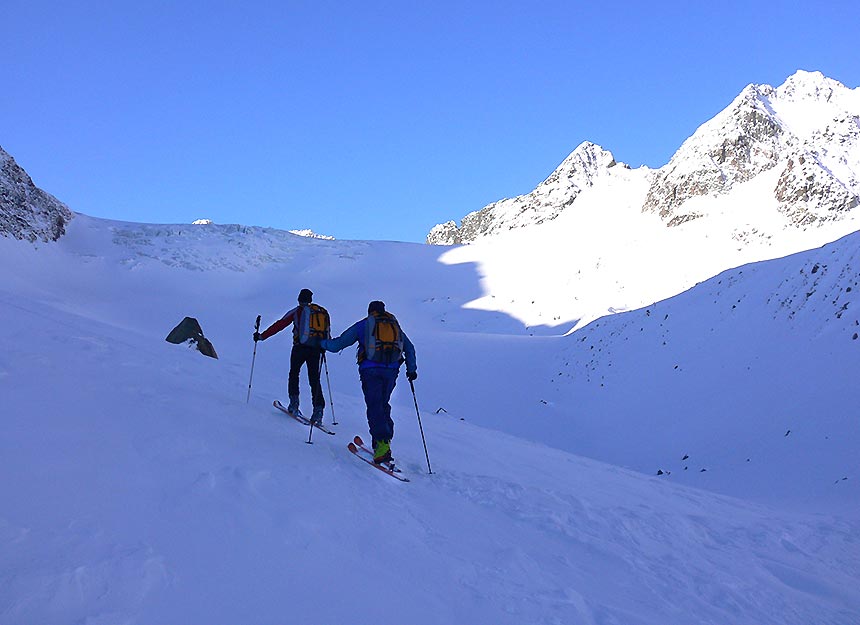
[(411, 375), (257, 337)]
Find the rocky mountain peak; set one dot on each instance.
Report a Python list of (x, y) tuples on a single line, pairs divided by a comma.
[(587, 164), (582, 167), (739, 143), (807, 129)]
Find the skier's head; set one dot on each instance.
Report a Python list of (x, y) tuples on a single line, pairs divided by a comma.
[(305, 296), (376, 307)]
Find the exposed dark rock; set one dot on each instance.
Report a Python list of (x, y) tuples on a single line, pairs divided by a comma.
[(189, 331), (27, 212), (807, 192)]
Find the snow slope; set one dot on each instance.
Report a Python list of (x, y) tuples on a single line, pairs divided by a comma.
[(607, 256), (720, 373), (140, 487)]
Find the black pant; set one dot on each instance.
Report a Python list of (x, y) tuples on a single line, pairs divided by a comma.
[(312, 358)]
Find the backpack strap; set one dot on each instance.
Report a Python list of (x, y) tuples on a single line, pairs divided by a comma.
[(301, 325)]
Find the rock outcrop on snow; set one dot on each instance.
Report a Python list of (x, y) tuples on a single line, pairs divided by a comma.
[(808, 192), (188, 331), (27, 212), (807, 132)]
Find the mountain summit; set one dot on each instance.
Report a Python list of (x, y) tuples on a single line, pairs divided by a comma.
[(807, 130), (803, 137), (583, 168), (586, 165)]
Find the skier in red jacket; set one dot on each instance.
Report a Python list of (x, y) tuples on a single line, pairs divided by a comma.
[(311, 324)]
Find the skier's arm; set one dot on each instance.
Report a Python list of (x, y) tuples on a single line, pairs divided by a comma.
[(279, 325), (409, 353), (349, 337)]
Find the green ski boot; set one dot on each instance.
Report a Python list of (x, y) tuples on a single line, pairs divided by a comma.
[(381, 452)]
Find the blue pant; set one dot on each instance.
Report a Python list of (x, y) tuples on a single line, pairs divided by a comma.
[(377, 383)]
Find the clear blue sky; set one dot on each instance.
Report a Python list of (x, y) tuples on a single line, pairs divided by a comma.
[(372, 119)]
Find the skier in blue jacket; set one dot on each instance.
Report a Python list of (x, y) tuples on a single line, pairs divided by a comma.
[(382, 348)]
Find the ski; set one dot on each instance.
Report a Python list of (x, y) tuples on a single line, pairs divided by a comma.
[(360, 444), (300, 418), (356, 446)]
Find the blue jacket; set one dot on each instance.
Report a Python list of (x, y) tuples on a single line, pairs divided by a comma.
[(356, 333)]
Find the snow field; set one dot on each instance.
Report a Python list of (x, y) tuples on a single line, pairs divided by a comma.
[(141, 488)]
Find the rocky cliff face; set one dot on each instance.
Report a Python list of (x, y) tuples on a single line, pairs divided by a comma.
[(27, 212), (808, 192), (737, 145), (808, 130), (586, 165)]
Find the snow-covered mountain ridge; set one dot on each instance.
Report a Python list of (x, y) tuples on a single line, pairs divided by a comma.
[(808, 129), (204, 248), (609, 256), (582, 169)]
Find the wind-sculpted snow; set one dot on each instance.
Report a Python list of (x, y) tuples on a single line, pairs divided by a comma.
[(204, 247)]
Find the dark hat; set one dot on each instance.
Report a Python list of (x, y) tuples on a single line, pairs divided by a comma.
[(305, 296), (376, 307)]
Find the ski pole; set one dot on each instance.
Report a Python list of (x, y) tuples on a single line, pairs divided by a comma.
[(319, 371), (328, 382), (310, 433), (311, 426), (254, 359), (420, 427)]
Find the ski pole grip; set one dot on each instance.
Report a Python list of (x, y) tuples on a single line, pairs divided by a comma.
[(257, 325)]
